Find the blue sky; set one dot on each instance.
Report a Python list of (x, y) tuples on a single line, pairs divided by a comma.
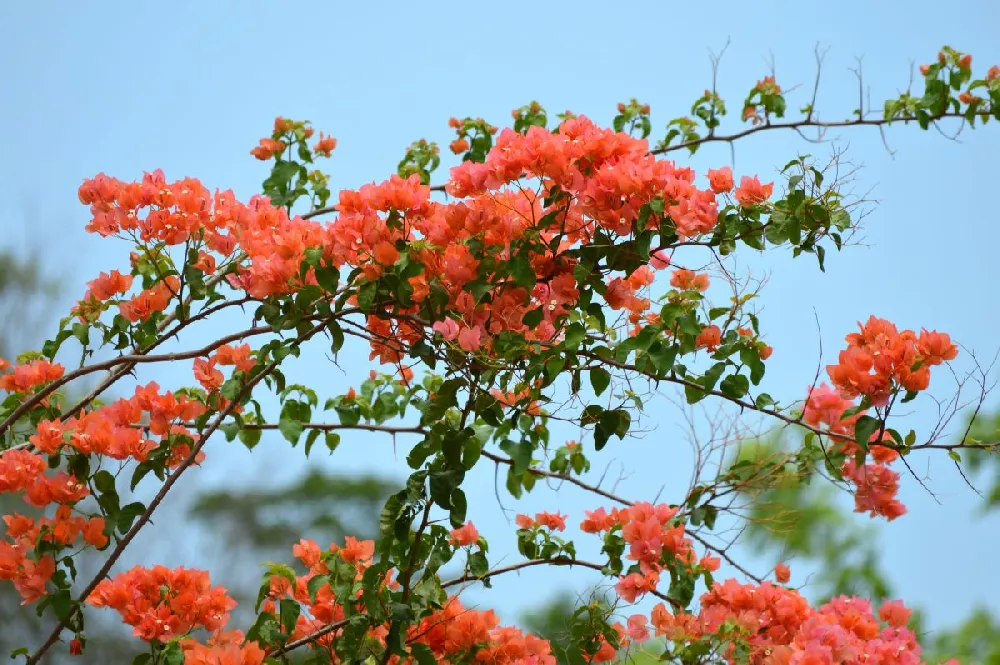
[(189, 87)]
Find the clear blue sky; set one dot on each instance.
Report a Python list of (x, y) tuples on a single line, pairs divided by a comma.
[(123, 87)]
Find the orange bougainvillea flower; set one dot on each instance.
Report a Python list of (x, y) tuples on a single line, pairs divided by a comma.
[(768, 85), (879, 361), (782, 573), (267, 149), (224, 648), (721, 180), (935, 348), (205, 263), (710, 338), (465, 535), (325, 146), (151, 301), (879, 357), (659, 260), (751, 192), (162, 603), (524, 522), (108, 285), (357, 551), (30, 375), (688, 280), (894, 613), (282, 125), (235, 355), (553, 521), (210, 378), (597, 521)]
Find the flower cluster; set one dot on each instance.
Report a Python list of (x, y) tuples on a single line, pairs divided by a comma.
[(112, 431), (654, 538), (63, 529), (880, 360), (24, 471), (455, 632), (876, 486), (879, 363), (778, 627), (610, 174), (224, 648), (31, 375), (604, 178), (451, 632), (206, 369), (160, 603)]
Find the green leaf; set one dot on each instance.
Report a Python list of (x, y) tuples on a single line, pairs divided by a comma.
[(289, 612), (104, 481), (533, 317), (662, 356), (423, 654), (735, 386), (173, 654), (444, 399), (575, 334), (62, 603), (591, 414), (614, 422), (600, 379), (865, 427), (459, 506), (553, 367), (337, 335), (478, 564), (311, 439), (290, 428), (711, 513), (716, 312), (711, 376), (520, 452), (520, 269), (472, 449), (250, 438), (128, 514), (693, 394), (366, 297)]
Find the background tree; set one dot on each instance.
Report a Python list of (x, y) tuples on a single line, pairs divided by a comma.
[(22, 290)]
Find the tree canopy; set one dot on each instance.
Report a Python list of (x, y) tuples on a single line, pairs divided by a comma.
[(556, 279)]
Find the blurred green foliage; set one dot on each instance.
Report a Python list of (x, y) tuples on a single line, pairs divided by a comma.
[(319, 505)]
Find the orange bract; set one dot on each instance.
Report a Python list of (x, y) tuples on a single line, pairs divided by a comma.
[(160, 603)]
